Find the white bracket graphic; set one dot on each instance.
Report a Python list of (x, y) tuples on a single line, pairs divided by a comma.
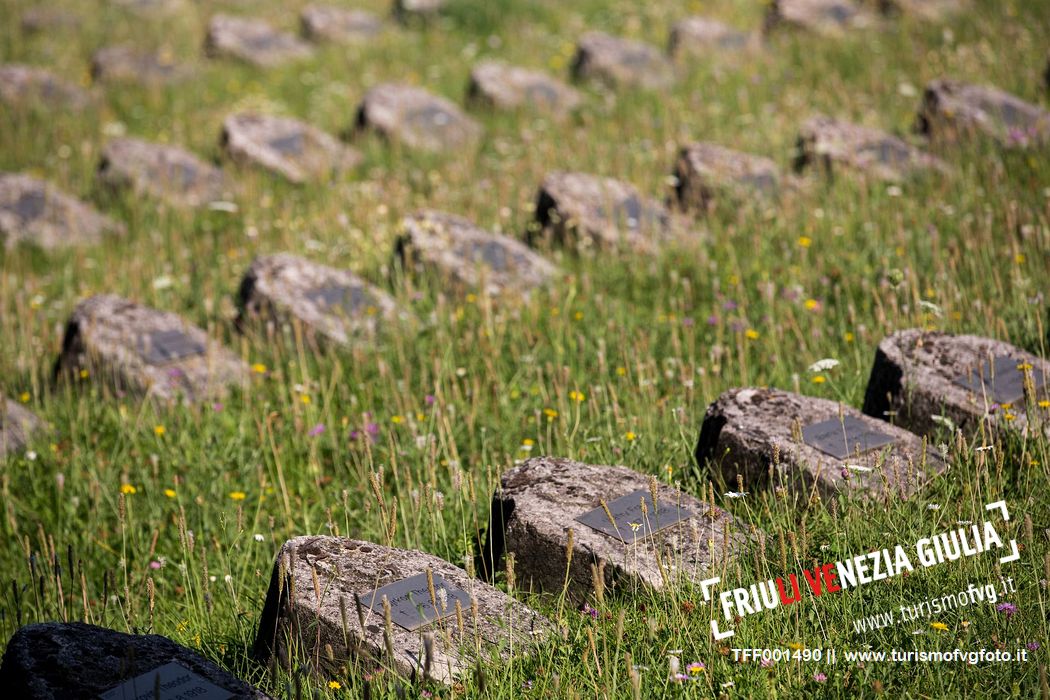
[(706, 585), (1001, 505), (720, 635)]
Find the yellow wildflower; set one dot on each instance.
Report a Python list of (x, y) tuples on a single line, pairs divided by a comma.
[(630, 436), (238, 495), (577, 396), (259, 368), (805, 241), (751, 334), (170, 493), (128, 489), (159, 430), (939, 626)]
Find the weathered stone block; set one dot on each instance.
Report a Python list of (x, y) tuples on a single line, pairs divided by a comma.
[(921, 377), (146, 352), (469, 258), (334, 304), (325, 599), (287, 147), (34, 211), (700, 36), (168, 173), (73, 660), (17, 424), (124, 63), (509, 87), (620, 62), (952, 110), (827, 17), (253, 41), (539, 501), (28, 86), (416, 118), (832, 144), (588, 211), (706, 171), (338, 24), (811, 447)]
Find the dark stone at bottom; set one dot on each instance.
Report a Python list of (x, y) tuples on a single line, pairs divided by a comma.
[(58, 660)]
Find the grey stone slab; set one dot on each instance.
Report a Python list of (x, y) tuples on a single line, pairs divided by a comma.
[(468, 258), (953, 110), (503, 86), (588, 211), (151, 7), (34, 211), (254, 41), (128, 64), (168, 173), (416, 118), (419, 9), (832, 144), (322, 23), (965, 378), (540, 500), (146, 352), (704, 172), (287, 147), (17, 424), (46, 18), (930, 10), (329, 303), (73, 660), (827, 17), (620, 62), (702, 36), (28, 86), (744, 429), (316, 579)]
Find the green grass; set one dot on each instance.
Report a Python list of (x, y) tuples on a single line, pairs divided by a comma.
[(648, 341)]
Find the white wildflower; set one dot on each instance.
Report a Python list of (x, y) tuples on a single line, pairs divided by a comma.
[(823, 365)]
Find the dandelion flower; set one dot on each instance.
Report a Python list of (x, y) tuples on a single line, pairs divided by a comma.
[(397, 420), (259, 368), (629, 436), (939, 626), (751, 334), (170, 493), (335, 685), (805, 241), (238, 495), (159, 430), (24, 397), (819, 379), (577, 396), (128, 489)]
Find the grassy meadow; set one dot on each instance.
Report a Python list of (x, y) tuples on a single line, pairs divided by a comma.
[(166, 520)]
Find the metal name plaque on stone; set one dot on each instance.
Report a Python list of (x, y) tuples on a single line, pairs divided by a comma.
[(338, 298), (842, 438), (172, 681), (411, 606), (162, 347), (1002, 379), (630, 524)]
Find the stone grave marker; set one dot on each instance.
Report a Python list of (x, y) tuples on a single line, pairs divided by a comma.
[(420, 9), (75, 660), (920, 375), (253, 41), (704, 171), (329, 302), (701, 36), (469, 258), (680, 538), (323, 23), (810, 445), (923, 9), (146, 352), (125, 63), (45, 18), (952, 110), (151, 7), (416, 118), (287, 147), (827, 17), (326, 598), (832, 144), (28, 86), (502, 86), (595, 212), (36, 212), (168, 173), (17, 423), (620, 62)]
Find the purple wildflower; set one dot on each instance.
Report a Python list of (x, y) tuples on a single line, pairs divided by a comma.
[(429, 399), (1008, 609), (316, 430), (819, 677), (1031, 646), (217, 406), (588, 610), (712, 320), (766, 663)]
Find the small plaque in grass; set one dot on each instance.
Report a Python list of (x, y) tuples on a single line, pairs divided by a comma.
[(629, 523), (1002, 378), (845, 437), (172, 681), (164, 346), (411, 605), (338, 296)]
